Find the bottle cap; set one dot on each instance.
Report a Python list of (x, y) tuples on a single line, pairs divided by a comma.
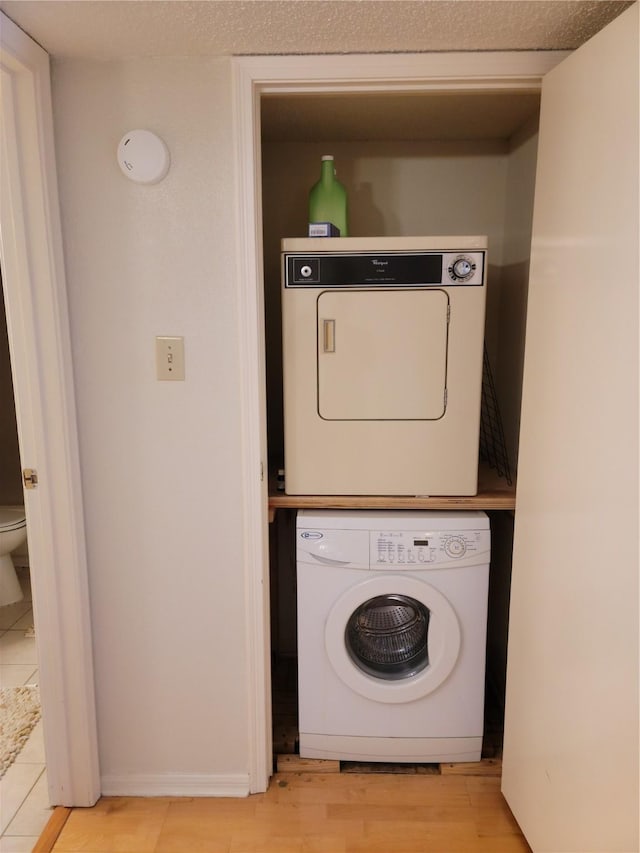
[(327, 156)]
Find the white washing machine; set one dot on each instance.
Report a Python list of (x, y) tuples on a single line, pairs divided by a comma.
[(392, 614)]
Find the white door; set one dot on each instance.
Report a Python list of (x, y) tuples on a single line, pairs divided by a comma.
[(382, 355), (37, 322), (570, 771)]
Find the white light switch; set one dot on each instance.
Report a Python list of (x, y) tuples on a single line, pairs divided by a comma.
[(170, 358)]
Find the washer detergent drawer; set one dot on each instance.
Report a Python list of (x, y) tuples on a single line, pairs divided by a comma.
[(332, 548), (382, 355)]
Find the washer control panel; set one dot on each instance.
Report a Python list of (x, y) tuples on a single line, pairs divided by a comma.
[(409, 549)]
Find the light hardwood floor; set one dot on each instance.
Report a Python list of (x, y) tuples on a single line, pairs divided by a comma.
[(309, 813)]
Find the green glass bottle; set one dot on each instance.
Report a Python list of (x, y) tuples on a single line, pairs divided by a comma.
[(328, 198)]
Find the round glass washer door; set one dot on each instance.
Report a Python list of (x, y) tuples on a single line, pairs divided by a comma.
[(392, 639), (387, 636)]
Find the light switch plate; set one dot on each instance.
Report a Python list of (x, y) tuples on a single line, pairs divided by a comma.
[(170, 358)]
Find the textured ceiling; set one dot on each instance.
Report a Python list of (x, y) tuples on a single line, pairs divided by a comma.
[(108, 29)]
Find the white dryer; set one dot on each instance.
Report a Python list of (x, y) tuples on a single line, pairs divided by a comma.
[(392, 613), (382, 364)]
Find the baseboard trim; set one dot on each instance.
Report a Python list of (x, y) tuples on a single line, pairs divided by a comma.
[(176, 785)]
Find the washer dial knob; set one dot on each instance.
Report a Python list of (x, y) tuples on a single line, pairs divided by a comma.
[(305, 271), (455, 547)]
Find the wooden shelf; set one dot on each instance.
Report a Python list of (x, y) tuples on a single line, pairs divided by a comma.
[(493, 493)]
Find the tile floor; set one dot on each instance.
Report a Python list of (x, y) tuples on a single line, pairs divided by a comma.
[(24, 804)]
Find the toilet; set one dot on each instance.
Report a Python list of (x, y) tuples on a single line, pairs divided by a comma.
[(13, 533)]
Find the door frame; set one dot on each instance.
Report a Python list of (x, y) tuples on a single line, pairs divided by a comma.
[(42, 370), (253, 78)]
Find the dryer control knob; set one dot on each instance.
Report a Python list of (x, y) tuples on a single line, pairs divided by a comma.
[(305, 271), (455, 547), (462, 268)]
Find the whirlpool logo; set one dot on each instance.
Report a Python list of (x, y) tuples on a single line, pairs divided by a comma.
[(312, 534)]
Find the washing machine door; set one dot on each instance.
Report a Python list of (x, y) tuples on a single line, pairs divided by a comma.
[(392, 638)]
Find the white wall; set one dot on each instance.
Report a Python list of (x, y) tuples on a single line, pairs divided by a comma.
[(160, 460)]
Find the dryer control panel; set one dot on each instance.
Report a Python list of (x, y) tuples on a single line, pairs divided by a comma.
[(407, 549), (383, 269)]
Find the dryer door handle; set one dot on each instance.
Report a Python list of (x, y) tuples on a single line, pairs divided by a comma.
[(328, 335)]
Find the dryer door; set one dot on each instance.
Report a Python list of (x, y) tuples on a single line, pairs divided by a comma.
[(382, 355), (392, 639)]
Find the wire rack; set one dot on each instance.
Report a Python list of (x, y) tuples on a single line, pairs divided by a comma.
[(493, 447)]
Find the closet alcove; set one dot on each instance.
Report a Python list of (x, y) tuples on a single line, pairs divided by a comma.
[(441, 163)]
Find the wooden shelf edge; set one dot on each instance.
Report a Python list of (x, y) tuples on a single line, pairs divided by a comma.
[(494, 493)]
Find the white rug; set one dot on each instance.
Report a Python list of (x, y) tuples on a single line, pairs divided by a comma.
[(19, 712)]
